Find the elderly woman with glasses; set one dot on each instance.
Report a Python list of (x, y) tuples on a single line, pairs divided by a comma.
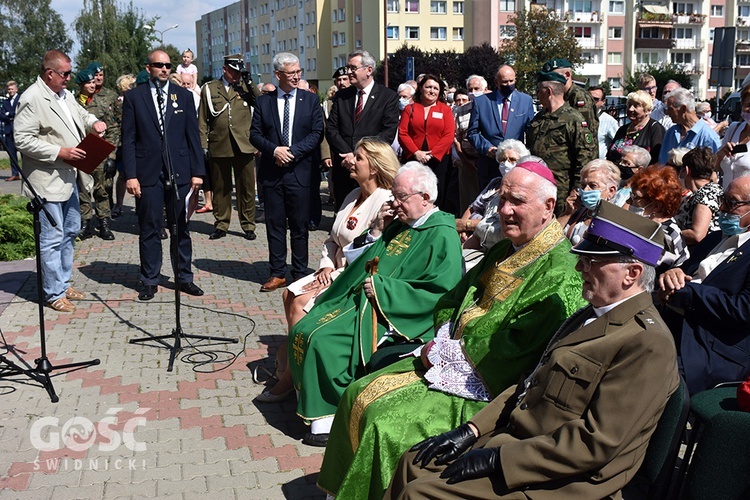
[(642, 130)]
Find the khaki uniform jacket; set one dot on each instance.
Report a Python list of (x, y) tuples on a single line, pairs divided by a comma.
[(227, 117), (580, 100), (40, 131), (583, 426), (106, 107)]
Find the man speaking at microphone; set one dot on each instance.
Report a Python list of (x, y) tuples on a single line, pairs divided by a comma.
[(159, 127)]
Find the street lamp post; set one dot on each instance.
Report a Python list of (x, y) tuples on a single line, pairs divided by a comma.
[(161, 32)]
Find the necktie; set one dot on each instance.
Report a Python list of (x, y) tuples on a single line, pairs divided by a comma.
[(360, 105), (285, 128), (506, 108), (161, 103)]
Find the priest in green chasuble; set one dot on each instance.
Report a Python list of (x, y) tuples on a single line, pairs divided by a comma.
[(419, 256), (490, 329)]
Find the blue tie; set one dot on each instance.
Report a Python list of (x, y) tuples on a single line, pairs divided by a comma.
[(285, 127)]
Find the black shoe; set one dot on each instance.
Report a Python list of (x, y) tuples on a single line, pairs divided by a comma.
[(320, 440), (163, 234), (191, 289), (87, 230), (312, 227), (104, 232), (218, 233), (250, 235), (116, 212), (147, 292)]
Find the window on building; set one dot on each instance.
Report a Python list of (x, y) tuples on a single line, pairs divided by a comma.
[(581, 6), (342, 15), (682, 58), (717, 11), (582, 31), (615, 83), (683, 33), (458, 7), (438, 7), (411, 6), (614, 58), (391, 5), (507, 31), (743, 60), (335, 39), (342, 38), (741, 34), (392, 32), (616, 7), (683, 8), (743, 10), (357, 18), (458, 34), (507, 5), (358, 44), (335, 16), (614, 33), (647, 58), (649, 33), (411, 33), (438, 33)]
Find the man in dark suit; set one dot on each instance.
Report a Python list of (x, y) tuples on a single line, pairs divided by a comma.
[(499, 115), (579, 424), (159, 129), (287, 128), (7, 115), (365, 109), (708, 298)]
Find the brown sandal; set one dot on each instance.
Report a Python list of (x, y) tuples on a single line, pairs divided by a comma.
[(62, 305), (73, 294)]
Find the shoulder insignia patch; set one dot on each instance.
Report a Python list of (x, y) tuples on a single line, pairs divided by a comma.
[(581, 103), (584, 124)]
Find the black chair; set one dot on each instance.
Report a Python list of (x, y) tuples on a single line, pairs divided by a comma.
[(655, 478)]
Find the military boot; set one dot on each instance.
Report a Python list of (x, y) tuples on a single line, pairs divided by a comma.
[(87, 230), (104, 232)]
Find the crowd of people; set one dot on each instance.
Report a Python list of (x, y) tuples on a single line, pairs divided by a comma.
[(508, 295)]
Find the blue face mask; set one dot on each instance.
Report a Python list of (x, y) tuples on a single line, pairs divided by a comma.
[(590, 198), (730, 223)]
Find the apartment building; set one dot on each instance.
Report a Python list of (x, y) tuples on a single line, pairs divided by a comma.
[(617, 37)]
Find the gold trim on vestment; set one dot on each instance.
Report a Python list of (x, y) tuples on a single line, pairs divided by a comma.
[(374, 390), (398, 244), (501, 280)]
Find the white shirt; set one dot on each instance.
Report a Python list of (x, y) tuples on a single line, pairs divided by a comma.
[(60, 99), (292, 105), (368, 91), (165, 90), (719, 254)]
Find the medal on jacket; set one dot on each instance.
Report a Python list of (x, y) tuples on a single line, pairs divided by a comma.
[(174, 100)]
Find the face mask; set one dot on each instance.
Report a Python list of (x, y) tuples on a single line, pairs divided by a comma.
[(746, 117), (626, 173), (505, 167), (506, 90), (477, 93), (402, 103), (639, 210), (590, 198), (707, 115), (730, 223)]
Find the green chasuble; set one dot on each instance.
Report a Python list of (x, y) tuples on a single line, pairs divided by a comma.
[(329, 347), (505, 311)]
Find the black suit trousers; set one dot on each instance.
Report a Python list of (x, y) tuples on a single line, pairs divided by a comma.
[(286, 199), (150, 209)]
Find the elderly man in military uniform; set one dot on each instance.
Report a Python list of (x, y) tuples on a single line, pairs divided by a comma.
[(224, 117), (577, 97), (560, 136), (102, 103), (579, 424)]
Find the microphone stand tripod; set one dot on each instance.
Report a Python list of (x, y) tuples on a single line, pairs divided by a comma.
[(170, 184), (43, 367)]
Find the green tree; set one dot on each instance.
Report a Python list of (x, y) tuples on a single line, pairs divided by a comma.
[(662, 73), (480, 60), (29, 29), (115, 35), (540, 36)]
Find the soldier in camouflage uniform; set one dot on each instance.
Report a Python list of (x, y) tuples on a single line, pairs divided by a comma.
[(577, 97), (104, 105), (560, 136)]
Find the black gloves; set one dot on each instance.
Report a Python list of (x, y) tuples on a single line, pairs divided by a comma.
[(110, 168), (445, 447), (477, 463)]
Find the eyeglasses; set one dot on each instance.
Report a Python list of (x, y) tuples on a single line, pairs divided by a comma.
[(732, 204), (290, 74), (587, 261), (649, 88), (403, 197), (161, 65), (351, 68), (599, 99), (62, 74)]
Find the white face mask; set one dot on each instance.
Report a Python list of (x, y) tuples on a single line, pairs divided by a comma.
[(477, 93), (505, 167), (403, 102)]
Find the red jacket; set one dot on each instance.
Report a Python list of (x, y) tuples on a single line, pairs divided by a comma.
[(439, 128)]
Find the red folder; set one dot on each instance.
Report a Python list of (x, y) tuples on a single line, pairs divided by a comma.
[(97, 150)]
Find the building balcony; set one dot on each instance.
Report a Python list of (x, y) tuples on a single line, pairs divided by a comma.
[(583, 17), (590, 43), (743, 46), (698, 19), (692, 69), (694, 43), (653, 43), (646, 19), (743, 21), (591, 68)]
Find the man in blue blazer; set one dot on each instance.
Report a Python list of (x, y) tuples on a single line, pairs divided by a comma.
[(287, 129), (7, 115), (151, 140), (708, 299), (499, 115)]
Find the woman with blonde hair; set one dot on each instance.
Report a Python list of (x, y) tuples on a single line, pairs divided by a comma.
[(642, 130), (374, 168)]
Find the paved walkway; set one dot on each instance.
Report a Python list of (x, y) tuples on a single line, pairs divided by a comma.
[(127, 428)]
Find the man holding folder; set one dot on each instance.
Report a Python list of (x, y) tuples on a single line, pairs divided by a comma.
[(49, 124)]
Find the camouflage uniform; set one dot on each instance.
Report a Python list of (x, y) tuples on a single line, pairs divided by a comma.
[(564, 140), (581, 101), (105, 106)]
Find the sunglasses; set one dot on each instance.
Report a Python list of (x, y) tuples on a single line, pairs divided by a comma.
[(63, 74), (161, 65)]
